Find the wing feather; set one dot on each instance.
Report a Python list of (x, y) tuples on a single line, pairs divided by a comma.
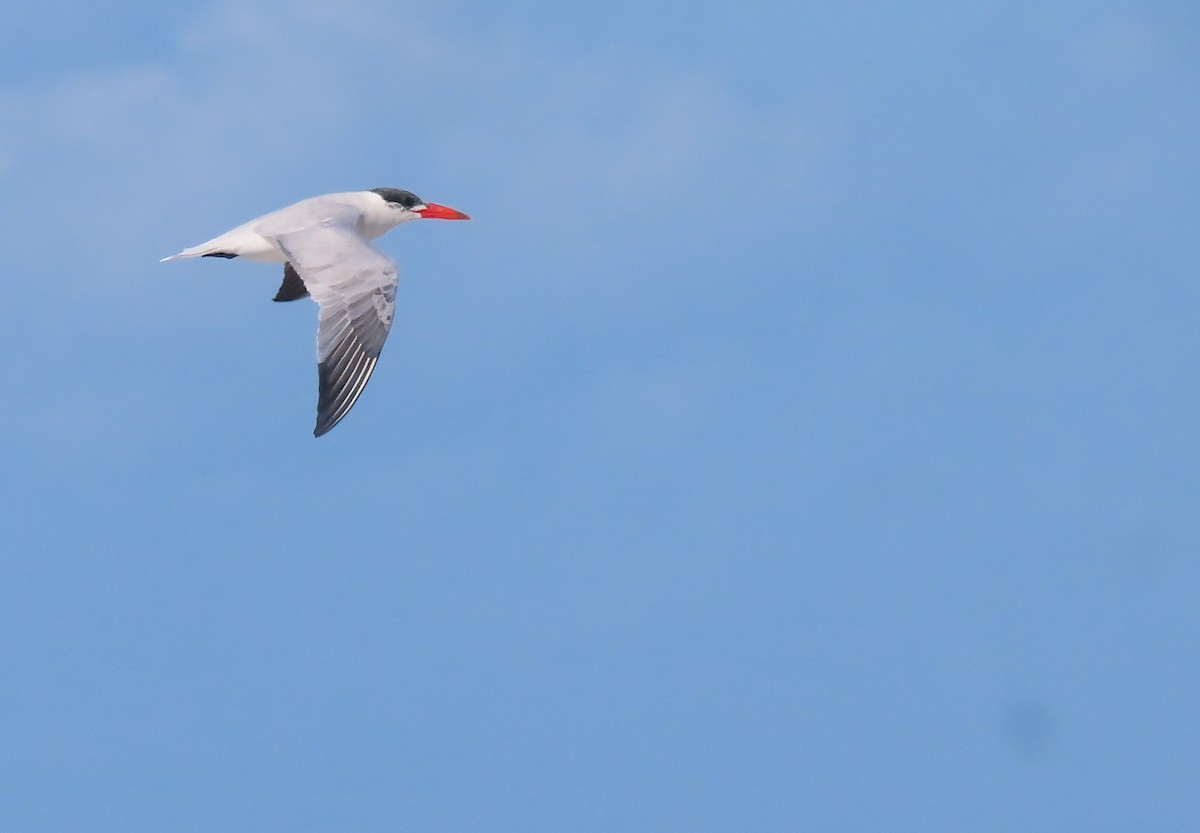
[(354, 285)]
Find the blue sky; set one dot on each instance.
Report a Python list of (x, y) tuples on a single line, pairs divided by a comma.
[(802, 435)]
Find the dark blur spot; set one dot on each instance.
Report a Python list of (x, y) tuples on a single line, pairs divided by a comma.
[(1029, 728)]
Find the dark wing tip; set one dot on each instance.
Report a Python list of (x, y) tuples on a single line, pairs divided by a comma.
[(341, 379)]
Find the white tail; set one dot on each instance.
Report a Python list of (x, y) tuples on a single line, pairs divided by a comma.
[(195, 251)]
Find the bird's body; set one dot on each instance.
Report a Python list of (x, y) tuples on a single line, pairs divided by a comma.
[(253, 239), (324, 243)]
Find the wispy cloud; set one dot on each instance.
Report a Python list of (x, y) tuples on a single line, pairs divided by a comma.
[(260, 94), (1122, 120), (574, 161)]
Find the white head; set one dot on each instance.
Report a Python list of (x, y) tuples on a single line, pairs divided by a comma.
[(408, 206)]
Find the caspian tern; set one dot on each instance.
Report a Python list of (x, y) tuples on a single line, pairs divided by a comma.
[(322, 242)]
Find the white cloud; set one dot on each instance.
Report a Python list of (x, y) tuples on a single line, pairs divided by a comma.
[(561, 156), (1122, 116), (1118, 52), (264, 102)]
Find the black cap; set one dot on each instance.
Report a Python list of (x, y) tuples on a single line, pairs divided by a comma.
[(405, 199)]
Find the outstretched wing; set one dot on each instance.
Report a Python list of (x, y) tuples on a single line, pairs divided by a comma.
[(355, 285)]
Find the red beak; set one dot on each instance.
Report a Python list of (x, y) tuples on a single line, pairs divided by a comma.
[(433, 211)]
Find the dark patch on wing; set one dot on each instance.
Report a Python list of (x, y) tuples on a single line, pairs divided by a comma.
[(344, 373), (226, 255), (292, 287), (340, 380)]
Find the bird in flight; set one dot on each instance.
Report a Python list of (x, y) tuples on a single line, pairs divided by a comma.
[(323, 245)]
